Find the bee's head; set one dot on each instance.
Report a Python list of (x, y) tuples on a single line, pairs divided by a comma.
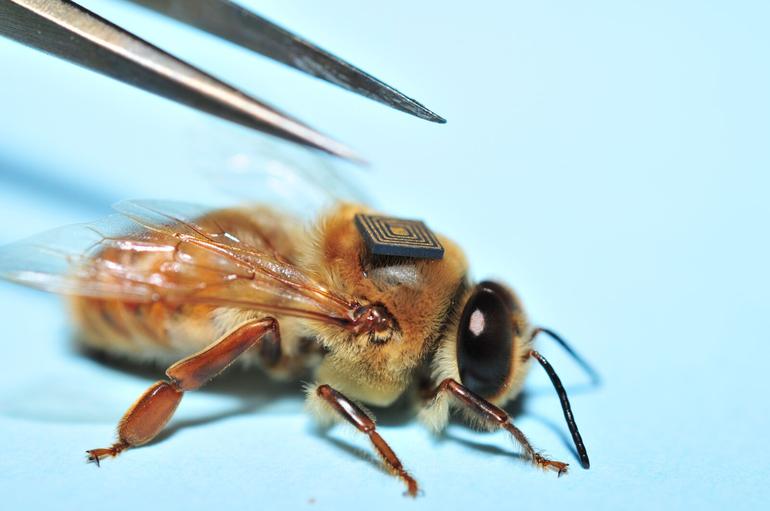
[(489, 334)]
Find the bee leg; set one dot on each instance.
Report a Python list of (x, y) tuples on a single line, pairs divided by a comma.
[(498, 418), (356, 416), (147, 416)]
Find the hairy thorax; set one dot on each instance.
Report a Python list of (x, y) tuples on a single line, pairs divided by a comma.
[(418, 294)]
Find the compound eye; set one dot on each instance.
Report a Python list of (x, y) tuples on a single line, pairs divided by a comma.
[(485, 341)]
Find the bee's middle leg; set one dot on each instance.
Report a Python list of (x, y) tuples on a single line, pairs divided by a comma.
[(147, 416), (356, 416)]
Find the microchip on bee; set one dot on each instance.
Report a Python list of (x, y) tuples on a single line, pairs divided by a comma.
[(389, 236)]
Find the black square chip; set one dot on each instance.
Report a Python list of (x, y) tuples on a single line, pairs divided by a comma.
[(398, 237)]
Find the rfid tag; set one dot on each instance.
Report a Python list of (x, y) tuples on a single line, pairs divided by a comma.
[(398, 237)]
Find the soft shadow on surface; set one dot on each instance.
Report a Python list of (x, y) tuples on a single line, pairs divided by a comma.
[(485, 448), (177, 426), (561, 431), (53, 185), (252, 387), (572, 390), (245, 383), (254, 390), (352, 450), (516, 407)]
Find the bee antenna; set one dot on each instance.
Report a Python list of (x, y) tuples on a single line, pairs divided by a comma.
[(568, 416), (596, 380)]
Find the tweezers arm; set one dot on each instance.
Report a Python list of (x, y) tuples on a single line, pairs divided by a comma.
[(67, 30), (238, 25)]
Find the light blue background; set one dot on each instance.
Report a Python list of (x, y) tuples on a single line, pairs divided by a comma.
[(608, 159)]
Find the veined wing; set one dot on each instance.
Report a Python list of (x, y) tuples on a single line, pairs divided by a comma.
[(174, 253)]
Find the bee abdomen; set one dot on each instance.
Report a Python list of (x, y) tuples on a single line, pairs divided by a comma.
[(137, 331)]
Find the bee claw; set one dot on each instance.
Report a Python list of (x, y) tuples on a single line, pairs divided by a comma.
[(92, 458), (96, 455), (561, 468)]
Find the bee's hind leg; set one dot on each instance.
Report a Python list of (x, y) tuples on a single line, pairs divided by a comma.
[(147, 416), (497, 418), (356, 416)]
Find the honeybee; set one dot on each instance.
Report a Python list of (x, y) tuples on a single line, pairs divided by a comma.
[(199, 290)]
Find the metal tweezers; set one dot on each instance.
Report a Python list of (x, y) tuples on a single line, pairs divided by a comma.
[(67, 30)]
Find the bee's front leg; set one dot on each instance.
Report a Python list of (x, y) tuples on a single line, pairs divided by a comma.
[(358, 418), (497, 418), (147, 416)]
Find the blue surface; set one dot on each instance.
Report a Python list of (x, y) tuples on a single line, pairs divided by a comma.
[(609, 161)]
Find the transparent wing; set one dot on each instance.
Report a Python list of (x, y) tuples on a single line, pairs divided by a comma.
[(171, 252), (301, 182)]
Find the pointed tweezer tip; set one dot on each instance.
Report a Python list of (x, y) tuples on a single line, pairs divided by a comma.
[(418, 110), (434, 118)]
